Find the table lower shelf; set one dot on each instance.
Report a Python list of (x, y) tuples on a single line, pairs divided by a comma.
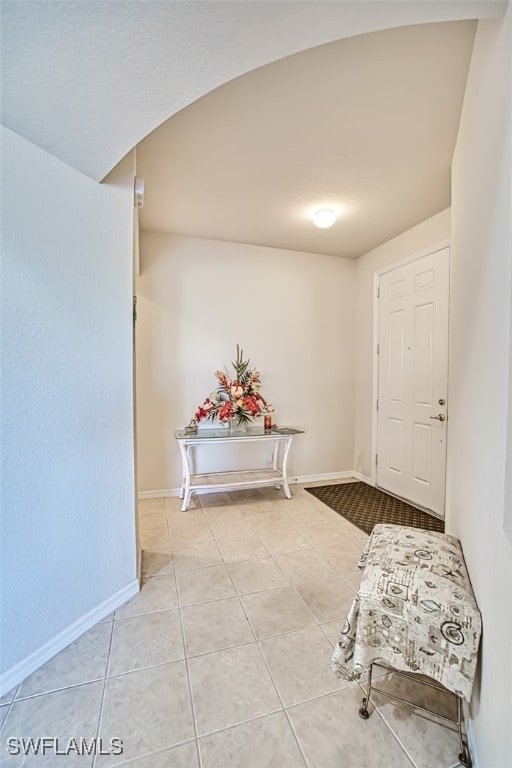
[(230, 481)]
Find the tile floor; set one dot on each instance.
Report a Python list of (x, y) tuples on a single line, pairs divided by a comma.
[(223, 659)]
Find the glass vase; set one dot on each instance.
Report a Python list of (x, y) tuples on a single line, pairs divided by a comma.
[(237, 427)]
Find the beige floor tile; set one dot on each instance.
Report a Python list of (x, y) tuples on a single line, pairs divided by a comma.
[(151, 520), (204, 585), (327, 599), (267, 522), (298, 501), (340, 522), (247, 496), (305, 525), (303, 565), (178, 519), (192, 536), (184, 756), (9, 696), (267, 515), (300, 664), (276, 611), (174, 504), (198, 555), (148, 709), (254, 507), (230, 527), (182, 532), (428, 740), (267, 742), (72, 712), (332, 735), (344, 555), (223, 512), (154, 538), (332, 629), (157, 594), (151, 505), (156, 563), (213, 626), (353, 577), (4, 709), (242, 685), (82, 661), (299, 489), (220, 499), (349, 529), (144, 641), (256, 575), (324, 534), (306, 517), (360, 540), (416, 688), (280, 541), (270, 493), (244, 547)]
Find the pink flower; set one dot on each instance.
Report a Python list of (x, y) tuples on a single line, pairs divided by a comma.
[(237, 390), (225, 411), (252, 406)]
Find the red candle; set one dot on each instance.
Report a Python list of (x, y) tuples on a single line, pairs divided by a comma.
[(268, 423)]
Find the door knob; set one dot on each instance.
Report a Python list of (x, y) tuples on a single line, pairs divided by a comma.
[(439, 417)]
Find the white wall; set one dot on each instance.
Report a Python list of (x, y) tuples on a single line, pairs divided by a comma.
[(479, 381), (429, 232), (67, 442), (292, 312)]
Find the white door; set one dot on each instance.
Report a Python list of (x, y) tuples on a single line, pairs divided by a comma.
[(413, 374)]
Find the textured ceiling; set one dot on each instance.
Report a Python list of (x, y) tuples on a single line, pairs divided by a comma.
[(366, 125), (88, 79)]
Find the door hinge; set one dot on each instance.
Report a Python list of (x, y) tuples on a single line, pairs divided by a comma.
[(378, 291), (377, 404), (376, 459), (378, 348)]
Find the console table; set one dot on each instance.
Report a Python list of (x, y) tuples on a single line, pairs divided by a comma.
[(280, 438)]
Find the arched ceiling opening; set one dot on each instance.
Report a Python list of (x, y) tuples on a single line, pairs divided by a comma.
[(365, 126), (86, 80)]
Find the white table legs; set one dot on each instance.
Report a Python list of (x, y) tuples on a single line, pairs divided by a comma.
[(218, 481)]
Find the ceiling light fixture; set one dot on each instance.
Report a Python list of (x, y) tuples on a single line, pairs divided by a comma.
[(324, 218)]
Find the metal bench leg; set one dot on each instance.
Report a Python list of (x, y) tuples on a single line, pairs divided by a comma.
[(464, 756), (363, 709)]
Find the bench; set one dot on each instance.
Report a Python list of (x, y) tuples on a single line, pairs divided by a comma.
[(414, 612)]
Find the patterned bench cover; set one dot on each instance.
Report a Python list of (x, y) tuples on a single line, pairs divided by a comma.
[(415, 610)]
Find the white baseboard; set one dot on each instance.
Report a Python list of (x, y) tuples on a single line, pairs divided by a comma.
[(158, 494), (363, 478), (142, 495), (24, 668)]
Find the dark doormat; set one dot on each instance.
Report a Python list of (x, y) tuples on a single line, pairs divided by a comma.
[(366, 506)]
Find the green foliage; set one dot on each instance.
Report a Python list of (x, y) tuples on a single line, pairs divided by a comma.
[(241, 367)]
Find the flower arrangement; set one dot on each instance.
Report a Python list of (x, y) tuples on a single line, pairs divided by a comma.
[(236, 397)]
